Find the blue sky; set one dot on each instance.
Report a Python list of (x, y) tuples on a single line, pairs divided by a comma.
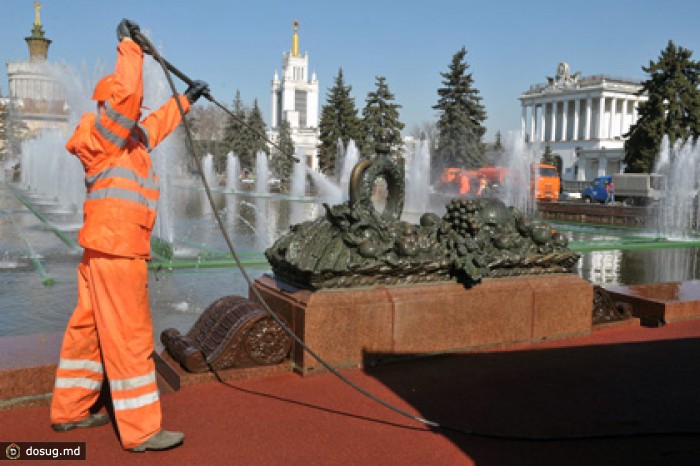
[(239, 45)]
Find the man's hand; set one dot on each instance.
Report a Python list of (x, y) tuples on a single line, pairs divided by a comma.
[(127, 29), (196, 90)]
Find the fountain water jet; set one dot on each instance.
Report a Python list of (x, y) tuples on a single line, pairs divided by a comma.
[(233, 168), (262, 174), (49, 171), (518, 158), (677, 212), (351, 156), (209, 172), (418, 178), (297, 188), (328, 191)]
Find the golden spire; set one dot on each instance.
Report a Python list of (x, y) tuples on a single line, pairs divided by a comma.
[(295, 39), (37, 18)]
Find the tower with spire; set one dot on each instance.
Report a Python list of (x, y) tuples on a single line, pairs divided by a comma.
[(37, 96), (295, 100), (38, 44)]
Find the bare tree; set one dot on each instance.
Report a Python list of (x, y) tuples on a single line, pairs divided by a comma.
[(425, 130), (208, 123)]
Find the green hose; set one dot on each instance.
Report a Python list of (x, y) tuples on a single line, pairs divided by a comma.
[(628, 246), (195, 264), (33, 256), (61, 235)]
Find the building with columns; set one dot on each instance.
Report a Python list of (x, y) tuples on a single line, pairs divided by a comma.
[(37, 97), (582, 119), (295, 100)]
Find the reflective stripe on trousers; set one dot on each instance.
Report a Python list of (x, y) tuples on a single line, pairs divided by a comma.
[(71, 373), (123, 389)]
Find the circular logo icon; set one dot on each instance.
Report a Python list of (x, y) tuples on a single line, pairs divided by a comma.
[(12, 451)]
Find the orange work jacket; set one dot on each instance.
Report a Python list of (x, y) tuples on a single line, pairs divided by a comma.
[(122, 187)]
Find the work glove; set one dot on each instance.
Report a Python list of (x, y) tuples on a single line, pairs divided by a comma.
[(196, 90), (127, 28)]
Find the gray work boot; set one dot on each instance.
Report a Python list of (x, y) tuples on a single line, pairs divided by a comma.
[(93, 420), (161, 440)]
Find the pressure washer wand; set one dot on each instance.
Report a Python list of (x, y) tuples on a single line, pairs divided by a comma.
[(145, 45)]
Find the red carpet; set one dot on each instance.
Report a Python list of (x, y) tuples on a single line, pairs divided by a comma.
[(628, 380)]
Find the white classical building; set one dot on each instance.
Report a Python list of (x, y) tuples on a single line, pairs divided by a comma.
[(295, 100), (582, 119), (37, 96)]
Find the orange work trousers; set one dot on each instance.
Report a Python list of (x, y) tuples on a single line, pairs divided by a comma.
[(110, 332)]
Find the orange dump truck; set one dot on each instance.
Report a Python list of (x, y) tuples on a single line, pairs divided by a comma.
[(545, 182)]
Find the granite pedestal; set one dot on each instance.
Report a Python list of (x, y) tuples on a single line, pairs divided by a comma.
[(343, 326), (655, 304)]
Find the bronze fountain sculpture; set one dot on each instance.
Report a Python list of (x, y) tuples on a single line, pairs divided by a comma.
[(354, 245)]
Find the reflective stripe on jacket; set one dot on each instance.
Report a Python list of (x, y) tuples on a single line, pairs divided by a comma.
[(122, 187)]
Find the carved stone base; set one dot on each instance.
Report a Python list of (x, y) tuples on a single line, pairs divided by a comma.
[(231, 332)]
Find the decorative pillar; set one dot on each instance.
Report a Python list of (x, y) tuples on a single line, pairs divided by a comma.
[(601, 118), (577, 109), (564, 121), (589, 115), (533, 115), (540, 129), (623, 119), (523, 114), (613, 112), (553, 122)]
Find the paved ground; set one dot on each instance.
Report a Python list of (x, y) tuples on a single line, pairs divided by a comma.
[(635, 390)]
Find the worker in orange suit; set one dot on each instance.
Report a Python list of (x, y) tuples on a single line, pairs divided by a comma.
[(464, 184), (483, 186), (110, 333)]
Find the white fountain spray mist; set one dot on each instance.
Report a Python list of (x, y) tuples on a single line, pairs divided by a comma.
[(352, 155), (262, 174), (678, 168), (518, 159), (233, 169), (47, 168), (297, 188), (171, 157), (418, 177)]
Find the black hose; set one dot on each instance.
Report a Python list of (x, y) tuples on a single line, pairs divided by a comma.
[(239, 264), (167, 68)]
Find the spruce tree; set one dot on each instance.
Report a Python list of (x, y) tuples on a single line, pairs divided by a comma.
[(234, 132), (339, 121), (548, 157), (381, 116), (281, 162), (461, 118), (498, 145), (257, 131), (673, 107)]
